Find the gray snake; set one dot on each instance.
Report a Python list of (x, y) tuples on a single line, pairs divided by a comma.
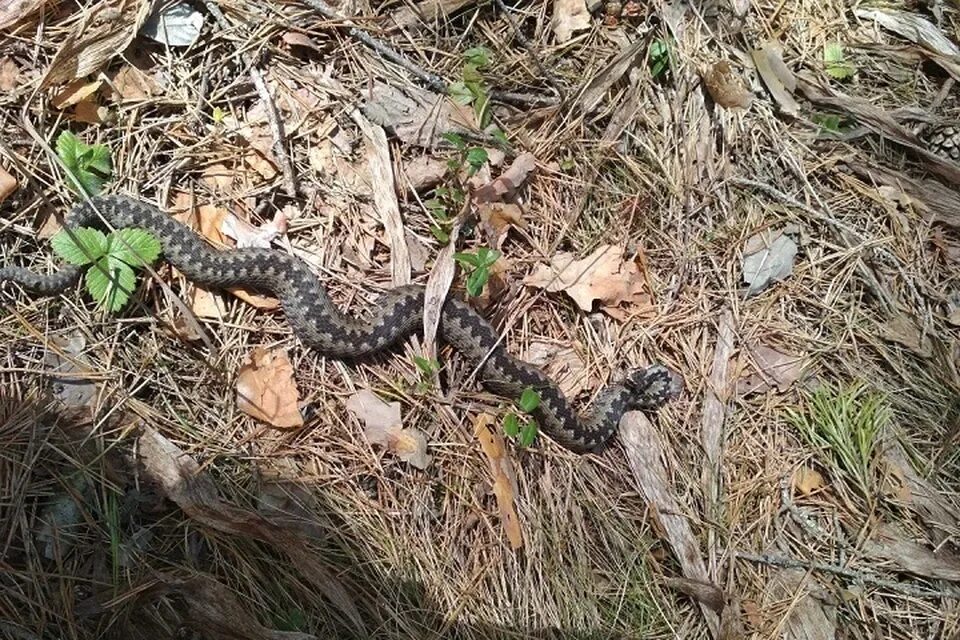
[(398, 313)]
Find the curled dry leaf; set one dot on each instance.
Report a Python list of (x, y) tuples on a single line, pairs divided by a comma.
[(417, 116), (904, 331), (603, 276), (569, 16), (132, 84), (383, 426), (498, 218), (181, 479), (75, 93), (778, 78), (506, 185), (562, 364), (773, 368), (504, 477), (424, 172), (726, 87), (808, 481), (9, 74), (267, 390), (8, 184)]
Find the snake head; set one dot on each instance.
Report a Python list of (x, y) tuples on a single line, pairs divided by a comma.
[(652, 387)]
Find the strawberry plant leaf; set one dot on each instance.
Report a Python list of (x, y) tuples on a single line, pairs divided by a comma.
[(89, 247)]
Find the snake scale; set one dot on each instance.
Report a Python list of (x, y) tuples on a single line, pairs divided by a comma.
[(398, 313)]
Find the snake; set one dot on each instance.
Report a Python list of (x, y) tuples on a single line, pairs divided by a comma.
[(397, 314)]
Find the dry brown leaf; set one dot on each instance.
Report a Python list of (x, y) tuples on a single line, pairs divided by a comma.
[(604, 276), (645, 455), (13, 11), (267, 389), (773, 368), (601, 82), (218, 176), (183, 481), (778, 78), (902, 330), (920, 31), (808, 481), (75, 93), (569, 16), (90, 111), (913, 557), (498, 218), (700, 590), (417, 116), (564, 365), (426, 11), (9, 74), (132, 84), (300, 39), (8, 184), (506, 185), (213, 607), (726, 87), (425, 172), (383, 426), (504, 477), (105, 32)]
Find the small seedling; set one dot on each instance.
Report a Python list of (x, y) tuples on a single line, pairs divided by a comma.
[(478, 265), (659, 58), (525, 428), (428, 369), (834, 62), (91, 165), (111, 260)]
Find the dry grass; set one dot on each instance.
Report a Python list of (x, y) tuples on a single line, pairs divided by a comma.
[(422, 553)]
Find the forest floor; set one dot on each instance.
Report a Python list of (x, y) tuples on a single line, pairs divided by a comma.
[(762, 196)]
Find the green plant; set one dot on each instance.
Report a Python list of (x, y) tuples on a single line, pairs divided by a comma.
[(846, 423), (110, 278), (525, 428), (658, 56), (91, 165), (478, 267), (428, 369), (835, 63)]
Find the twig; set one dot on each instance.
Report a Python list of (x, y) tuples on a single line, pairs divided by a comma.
[(273, 117), (854, 576), (531, 51), (435, 82)]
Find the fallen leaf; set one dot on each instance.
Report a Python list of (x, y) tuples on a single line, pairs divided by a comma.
[(383, 426), (204, 603), (90, 112), (777, 77), (70, 377), (498, 218), (915, 558), (417, 116), (902, 330), (9, 74), (176, 25), (75, 92), (806, 617), (425, 172), (8, 184), (564, 365), (569, 16), (768, 257), (13, 11), (299, 39), (700, 590), (504, 477), (506, 185), (182, 480), (105, 32), (267, 390), (604, 276), (611, 74), (426, 12), (247, 235), (218, 176), (773, 368), (808, 481), (726, 87), (132, 84)]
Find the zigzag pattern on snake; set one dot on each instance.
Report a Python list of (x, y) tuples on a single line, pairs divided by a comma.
[(398, 313)]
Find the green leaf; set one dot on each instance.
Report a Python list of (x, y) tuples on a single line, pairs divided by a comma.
[(568, 164), (829, 122), (90, 165), (440, 234), (136, 247), (482, 109), (467, 258), (529, 433), (500, 136), (456, 140), (476, 280), (529, 400), (92, 240), (472, 76), (511, 425), (110, 291), (477, 56), (834, 62), (427, 366), (460, 93), (476, 158), (486, 256)]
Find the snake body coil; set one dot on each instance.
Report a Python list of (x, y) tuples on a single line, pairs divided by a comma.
[(322, 326)]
